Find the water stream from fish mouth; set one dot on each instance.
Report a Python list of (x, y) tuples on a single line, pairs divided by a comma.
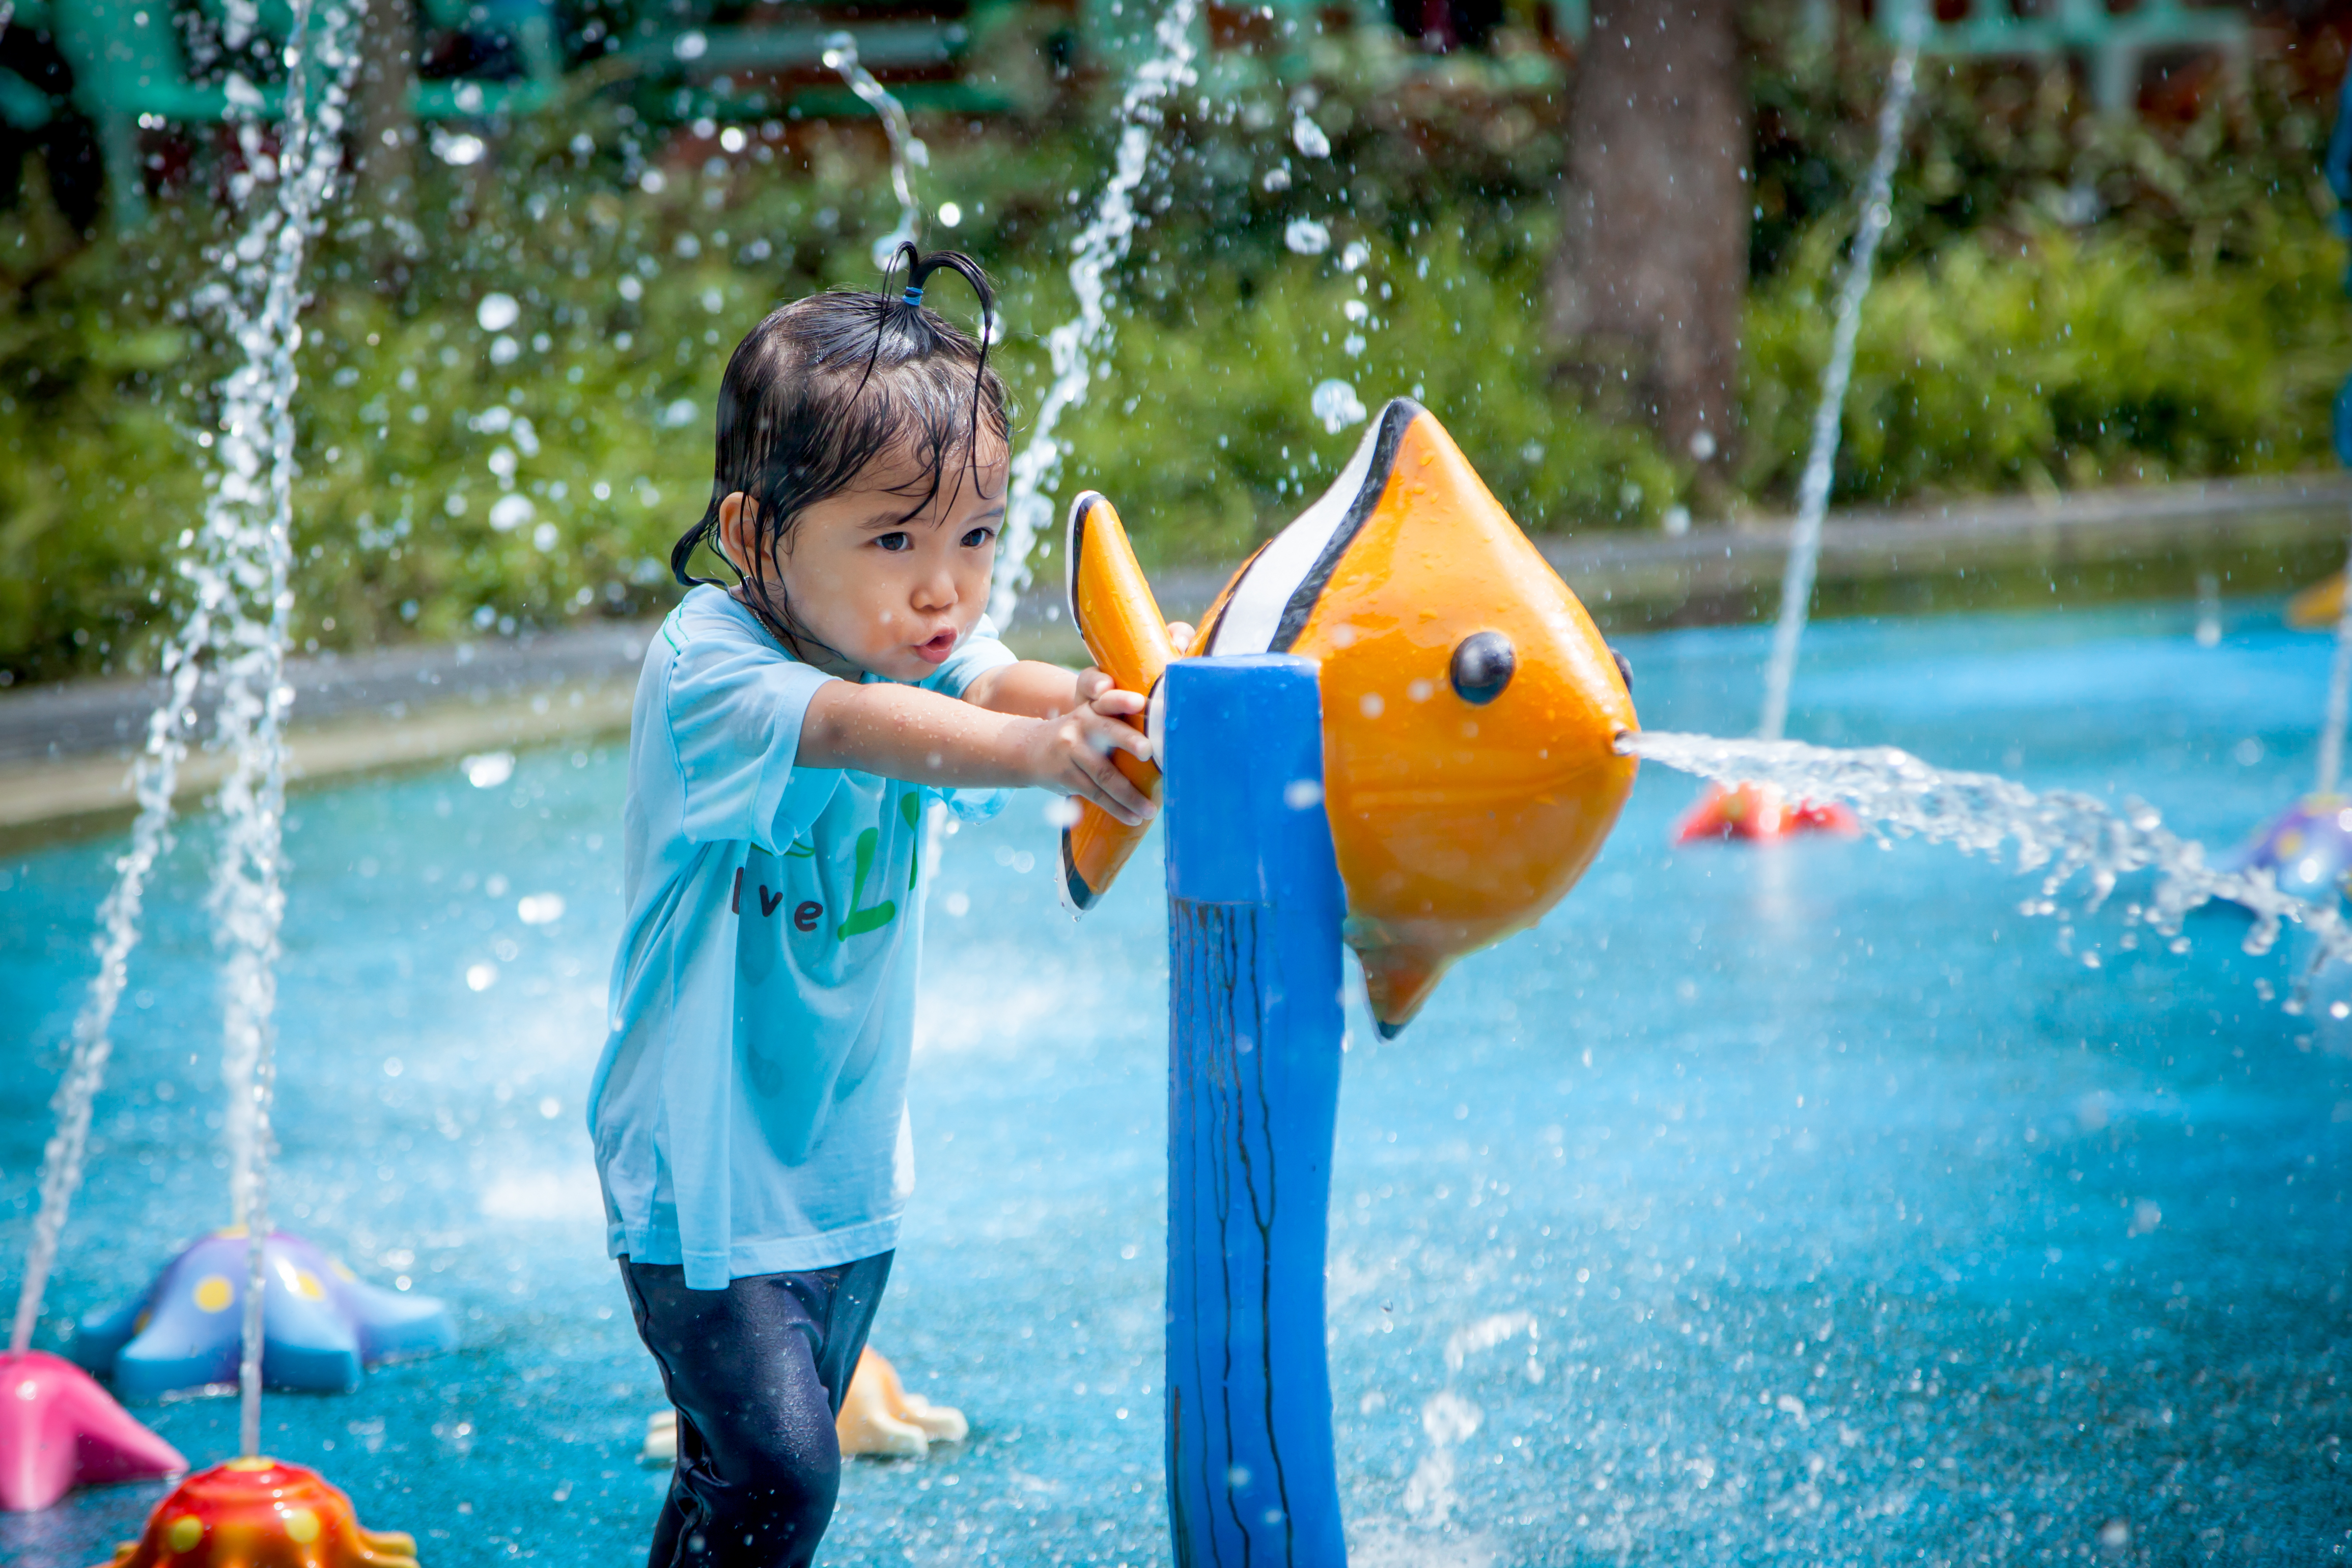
[(2059, 833)]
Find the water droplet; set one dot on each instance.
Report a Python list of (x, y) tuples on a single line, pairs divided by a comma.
[(1335, 403), (497, 312), (488, 769)]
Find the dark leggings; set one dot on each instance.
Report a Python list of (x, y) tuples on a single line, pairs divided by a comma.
[(757, 1373)]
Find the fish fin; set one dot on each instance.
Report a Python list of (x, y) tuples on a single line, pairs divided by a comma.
[(1112, 608), (1076, 897), (1397, 981)]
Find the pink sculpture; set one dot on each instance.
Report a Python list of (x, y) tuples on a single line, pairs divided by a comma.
[(59, 1430)]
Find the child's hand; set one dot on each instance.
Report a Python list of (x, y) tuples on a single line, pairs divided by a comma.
[(1095, 684), (1073, 754)]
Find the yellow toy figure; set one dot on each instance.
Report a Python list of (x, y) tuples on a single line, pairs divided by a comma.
[(1470, 707), (2317, 607), (878, 1417), (881, 1418)]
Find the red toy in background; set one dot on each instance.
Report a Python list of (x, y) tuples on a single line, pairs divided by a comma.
[(59, 1430), (259, 1513), (1760, 814)]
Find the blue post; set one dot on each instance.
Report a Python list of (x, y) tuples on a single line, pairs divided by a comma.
[(1253, 911)]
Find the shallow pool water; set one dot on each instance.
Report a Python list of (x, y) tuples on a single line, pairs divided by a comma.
[(1809, 1206)]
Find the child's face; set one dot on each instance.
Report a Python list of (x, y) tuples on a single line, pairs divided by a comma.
[(890, 594)]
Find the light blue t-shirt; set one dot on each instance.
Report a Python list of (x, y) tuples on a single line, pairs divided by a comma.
[(749, 1112)]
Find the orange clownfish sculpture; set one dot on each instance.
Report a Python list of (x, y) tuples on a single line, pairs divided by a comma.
[(1470, 707)]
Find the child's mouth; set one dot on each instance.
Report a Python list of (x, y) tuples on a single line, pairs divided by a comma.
[(937, 650)]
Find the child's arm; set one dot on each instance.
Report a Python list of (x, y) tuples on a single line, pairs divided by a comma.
[(1042, 690), (905, 732), (1034, 689)]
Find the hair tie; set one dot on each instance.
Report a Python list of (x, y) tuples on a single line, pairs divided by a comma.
[(914, 295)]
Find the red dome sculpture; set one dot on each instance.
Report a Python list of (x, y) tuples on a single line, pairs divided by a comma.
[(1761, 813), (259, 1513)]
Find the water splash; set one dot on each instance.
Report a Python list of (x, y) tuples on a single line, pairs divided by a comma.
[(1448, 1420), (1334, 403), (155, 779), (907, 148), (1073, 345), (2059, 833), (1814, 489), (2208, 611)]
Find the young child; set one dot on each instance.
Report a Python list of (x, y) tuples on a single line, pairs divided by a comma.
[(749, 1111)]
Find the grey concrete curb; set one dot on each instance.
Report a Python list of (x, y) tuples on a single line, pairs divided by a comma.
[(64, 750)]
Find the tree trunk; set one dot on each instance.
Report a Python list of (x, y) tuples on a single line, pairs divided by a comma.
[(386, 164), (1647, 287)]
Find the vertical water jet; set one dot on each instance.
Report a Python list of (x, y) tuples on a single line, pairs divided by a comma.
[(1073, 345), (1743, 809), (907, 148), (1821, 462)]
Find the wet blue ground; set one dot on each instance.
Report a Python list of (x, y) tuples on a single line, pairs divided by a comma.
[(1856, 1219)]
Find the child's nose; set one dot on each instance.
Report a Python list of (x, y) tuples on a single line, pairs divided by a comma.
[(935, 590)]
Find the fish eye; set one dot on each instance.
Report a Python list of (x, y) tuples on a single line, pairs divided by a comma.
[(1484, 663), (1624, 670)]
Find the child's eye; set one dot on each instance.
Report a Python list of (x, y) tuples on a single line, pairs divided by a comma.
[(895, 541), (978, 537)]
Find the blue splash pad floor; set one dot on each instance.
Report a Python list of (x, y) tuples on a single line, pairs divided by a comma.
[(1857, 1220)]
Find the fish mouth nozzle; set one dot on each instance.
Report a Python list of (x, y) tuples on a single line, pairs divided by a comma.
[(1622, 743)]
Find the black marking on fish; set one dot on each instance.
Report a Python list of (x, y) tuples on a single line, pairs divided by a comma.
[(1394, 419)]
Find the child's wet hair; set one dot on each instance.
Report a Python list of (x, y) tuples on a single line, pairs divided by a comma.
[(825, 386)]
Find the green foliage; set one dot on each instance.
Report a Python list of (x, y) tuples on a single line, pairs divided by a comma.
[(2197, 327), (95, 471), (2061, 360), (1200, 428), (2010, 147)]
